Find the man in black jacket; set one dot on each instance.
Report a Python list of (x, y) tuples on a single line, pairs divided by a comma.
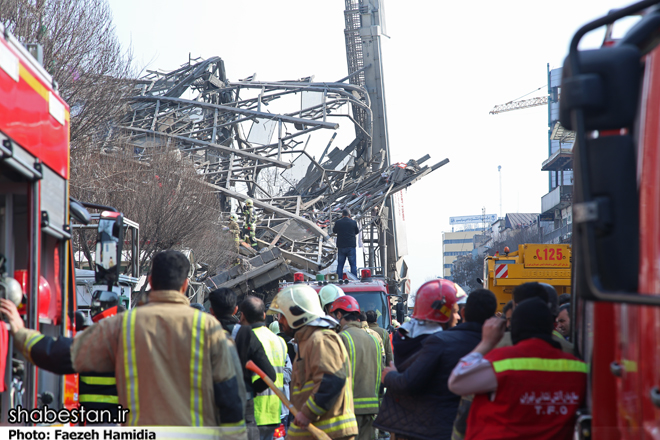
[(418, 404), (346, 229), (223, 307)]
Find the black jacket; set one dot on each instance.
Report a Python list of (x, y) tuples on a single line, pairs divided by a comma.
[(346, 230), (418, 403), (249, 349)]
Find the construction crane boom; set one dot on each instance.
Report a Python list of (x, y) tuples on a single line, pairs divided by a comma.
[(518, 105)]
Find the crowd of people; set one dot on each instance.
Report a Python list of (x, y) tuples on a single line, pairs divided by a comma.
[(456, 370)]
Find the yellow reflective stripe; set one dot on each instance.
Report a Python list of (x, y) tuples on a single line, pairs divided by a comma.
[(30, 343), (267, 406), (366, 402), (309, 385), (330, 425), (314, 407), (351, 355), (130, 366), (540, 364), (98, 398), (196, 358), (95, 380), (379, 365), (34, 83)]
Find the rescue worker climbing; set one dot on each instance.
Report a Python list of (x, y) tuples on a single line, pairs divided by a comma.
[(321, 373), (235, 231), (97, 391), (249, 223), (365, 355)]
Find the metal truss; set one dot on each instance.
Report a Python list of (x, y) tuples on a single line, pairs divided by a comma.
[(206, 116), (518, 105)]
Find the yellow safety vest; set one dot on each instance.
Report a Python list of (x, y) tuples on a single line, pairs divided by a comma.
[(267, 406)]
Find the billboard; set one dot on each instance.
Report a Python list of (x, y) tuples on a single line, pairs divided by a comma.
[(467, 219)]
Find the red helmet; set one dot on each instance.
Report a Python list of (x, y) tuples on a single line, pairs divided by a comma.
[(435, 300), (346, 303)]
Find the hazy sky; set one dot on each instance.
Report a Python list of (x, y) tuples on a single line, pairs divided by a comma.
[(445, 66)]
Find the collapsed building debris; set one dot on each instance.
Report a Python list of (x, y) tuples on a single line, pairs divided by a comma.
[(223, 128)]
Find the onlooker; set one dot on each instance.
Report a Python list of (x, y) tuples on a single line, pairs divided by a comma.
[(529, 390), (564, 321), (372, 319), (564, 298), (139, 344), (267, 406), (548, 295), (507, 311), (321, 371), (417, 403), (223, 307), (346, 229)]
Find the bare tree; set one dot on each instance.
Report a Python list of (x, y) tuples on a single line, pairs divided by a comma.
[(82, 53), (466, 270), (174, 207)]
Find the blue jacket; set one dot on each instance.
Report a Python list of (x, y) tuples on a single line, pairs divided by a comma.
[(418, 404)]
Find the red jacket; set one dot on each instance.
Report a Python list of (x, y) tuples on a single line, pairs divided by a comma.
[(539, 390)]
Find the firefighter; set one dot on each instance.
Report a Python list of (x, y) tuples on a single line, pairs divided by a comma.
[(365, 356), (249, 223), (267, 406), (97, 391), (321, 374), (328, 294), (372, 322), (529, 390), (174, 364)]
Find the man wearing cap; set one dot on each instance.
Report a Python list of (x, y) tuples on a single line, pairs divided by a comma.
[(321, 382), (529, 390)]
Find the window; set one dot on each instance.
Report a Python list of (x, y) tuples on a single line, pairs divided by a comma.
[(457, 254), (458, 241)]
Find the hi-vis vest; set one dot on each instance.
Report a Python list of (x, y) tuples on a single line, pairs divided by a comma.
[(267, 406), (539, 390)]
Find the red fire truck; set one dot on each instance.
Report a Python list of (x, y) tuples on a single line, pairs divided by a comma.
[(34, 220), (610, 97)]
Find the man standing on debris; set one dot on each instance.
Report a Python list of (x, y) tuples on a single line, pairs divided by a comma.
[(321, 373), (199, 386), (235, 231), (346, 229), (267, 406), (365, 355), (250, 224)]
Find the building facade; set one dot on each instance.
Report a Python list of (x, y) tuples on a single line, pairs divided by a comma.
[(455, 244)]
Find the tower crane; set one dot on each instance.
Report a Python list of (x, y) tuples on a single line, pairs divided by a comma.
[(519, 104)]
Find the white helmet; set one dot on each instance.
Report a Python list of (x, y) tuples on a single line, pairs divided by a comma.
[(11, 290), (298, 303), (329, 293), (234, 217)]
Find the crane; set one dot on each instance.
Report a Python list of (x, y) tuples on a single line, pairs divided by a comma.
[(519, 104)]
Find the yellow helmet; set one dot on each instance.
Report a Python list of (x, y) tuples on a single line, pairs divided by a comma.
[(299, 303), (328, 294), (249, 202)]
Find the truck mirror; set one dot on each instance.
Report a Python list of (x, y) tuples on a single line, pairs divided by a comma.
[(399, 312), (109, 241)]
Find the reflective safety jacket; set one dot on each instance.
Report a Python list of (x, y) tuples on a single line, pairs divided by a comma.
[(267, 406), (539, 390), (321, 384), (174, 365), (97, 390), (364, 353), (387, 343)]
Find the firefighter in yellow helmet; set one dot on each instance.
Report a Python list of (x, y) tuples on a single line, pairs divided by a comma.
[(322, 378)]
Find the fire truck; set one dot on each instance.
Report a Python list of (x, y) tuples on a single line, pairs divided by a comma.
[(610, 98), (372, 293), (547, 263), (34, 222)]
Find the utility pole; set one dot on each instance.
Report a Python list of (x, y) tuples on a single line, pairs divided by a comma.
[(499, 170)]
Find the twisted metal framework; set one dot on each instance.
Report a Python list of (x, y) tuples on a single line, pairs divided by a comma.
[(197, 109)]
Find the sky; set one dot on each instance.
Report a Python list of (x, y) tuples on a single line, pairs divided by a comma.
[(445, 64)]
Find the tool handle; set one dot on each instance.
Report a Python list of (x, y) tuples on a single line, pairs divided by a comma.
[(311, 428)]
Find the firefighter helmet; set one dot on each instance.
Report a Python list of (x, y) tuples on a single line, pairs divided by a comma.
[(329, 293), (346, 303), (298, 303), (249, 202), (104, 304), (435, 300), (11, 289), (234, 217)]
